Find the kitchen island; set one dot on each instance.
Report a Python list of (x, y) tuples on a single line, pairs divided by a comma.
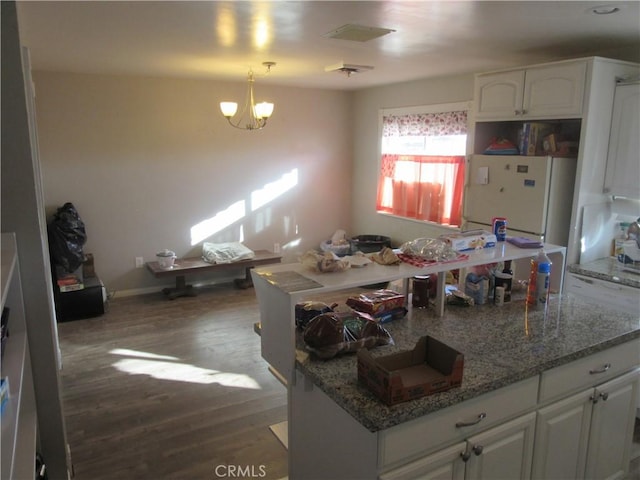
[(525, 372), (501, 346)]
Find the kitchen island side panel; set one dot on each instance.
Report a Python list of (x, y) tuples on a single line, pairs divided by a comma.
[(277, 328), (324, 440)]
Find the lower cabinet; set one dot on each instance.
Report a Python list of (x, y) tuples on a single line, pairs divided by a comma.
[(504, 451), (588, 435)]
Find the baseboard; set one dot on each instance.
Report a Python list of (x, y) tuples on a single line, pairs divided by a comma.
[(158, 288)]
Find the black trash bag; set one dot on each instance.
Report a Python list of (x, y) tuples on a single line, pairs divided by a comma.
[(67, 237)]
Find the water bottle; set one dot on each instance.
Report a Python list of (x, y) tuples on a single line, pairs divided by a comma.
[(539, 279)]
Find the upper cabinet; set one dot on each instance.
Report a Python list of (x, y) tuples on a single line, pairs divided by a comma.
[(551, 91), (623, 159)]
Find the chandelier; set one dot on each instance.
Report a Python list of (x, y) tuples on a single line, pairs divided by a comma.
[(252, 116)]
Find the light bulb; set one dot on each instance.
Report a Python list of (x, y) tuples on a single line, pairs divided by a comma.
[(229, 109), (263, 110)]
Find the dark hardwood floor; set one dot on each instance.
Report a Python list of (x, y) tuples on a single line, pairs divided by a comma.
[(171, 390), (160, 389)]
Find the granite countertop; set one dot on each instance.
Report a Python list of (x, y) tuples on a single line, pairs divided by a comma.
[(610, 270), (502, 345)]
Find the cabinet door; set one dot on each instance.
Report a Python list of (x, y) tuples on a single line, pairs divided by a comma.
[(499, 95), (503, 452), (554, 91), (446, 464), (623, 159), (562, 432), (612, 427)]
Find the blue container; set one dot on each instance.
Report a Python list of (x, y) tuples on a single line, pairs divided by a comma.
[(500, 229)]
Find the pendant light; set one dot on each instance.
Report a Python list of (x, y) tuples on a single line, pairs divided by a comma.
[(252, 116)]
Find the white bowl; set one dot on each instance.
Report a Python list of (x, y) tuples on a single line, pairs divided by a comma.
[(166, 258)]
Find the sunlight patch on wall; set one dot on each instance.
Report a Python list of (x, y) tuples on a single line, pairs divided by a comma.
[(292, 244), (238, 211), (262, 220), (219, 222), (271, 191)]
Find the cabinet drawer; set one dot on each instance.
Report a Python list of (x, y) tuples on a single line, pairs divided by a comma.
[(438, 429), (589, 371)]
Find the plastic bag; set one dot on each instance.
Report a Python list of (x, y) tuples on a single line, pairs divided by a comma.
[(67, 237), (307, 311), (429, 249), (333, 333), (225, 252), (324, 263)]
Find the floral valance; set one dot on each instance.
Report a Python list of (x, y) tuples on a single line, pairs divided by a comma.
[(425, 124)]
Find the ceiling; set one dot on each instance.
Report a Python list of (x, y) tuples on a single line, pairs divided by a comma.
[(222, 40)]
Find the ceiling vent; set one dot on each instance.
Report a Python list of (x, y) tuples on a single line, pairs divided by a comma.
[(348, 68), (357, 33)]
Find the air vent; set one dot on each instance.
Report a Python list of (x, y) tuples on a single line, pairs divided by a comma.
[(348, 68), (357, 33)]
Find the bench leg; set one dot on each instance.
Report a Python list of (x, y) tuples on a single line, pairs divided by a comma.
[(181, 289), (245, 282)]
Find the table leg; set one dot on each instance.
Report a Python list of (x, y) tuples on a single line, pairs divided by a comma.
[(441, 295)]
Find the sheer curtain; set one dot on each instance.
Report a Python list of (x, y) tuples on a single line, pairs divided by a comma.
[(419, 178)]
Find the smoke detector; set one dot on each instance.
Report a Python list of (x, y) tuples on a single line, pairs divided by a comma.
[(348, 68)]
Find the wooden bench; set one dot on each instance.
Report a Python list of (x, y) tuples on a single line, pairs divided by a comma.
[(188, 266)]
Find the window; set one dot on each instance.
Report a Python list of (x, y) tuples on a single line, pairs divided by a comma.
[(422, 165)]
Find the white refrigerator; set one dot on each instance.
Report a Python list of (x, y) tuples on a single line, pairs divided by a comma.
[(534, 194)]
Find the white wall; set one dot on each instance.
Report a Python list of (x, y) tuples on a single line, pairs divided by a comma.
[(145, 159), (367, 103)]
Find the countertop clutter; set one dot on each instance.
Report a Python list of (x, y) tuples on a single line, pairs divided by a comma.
[(608, 269), (502, 345)]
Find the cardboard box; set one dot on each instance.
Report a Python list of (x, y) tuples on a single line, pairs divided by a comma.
[(470, 240), (431, 367)]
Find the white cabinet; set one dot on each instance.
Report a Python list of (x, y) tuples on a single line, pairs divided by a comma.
[(501, 452), (18, 444), (499, 95), (459, 422), (545, 92), (612, 427), (446, 464), (562, 438), (623, 159), (588, 435)]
